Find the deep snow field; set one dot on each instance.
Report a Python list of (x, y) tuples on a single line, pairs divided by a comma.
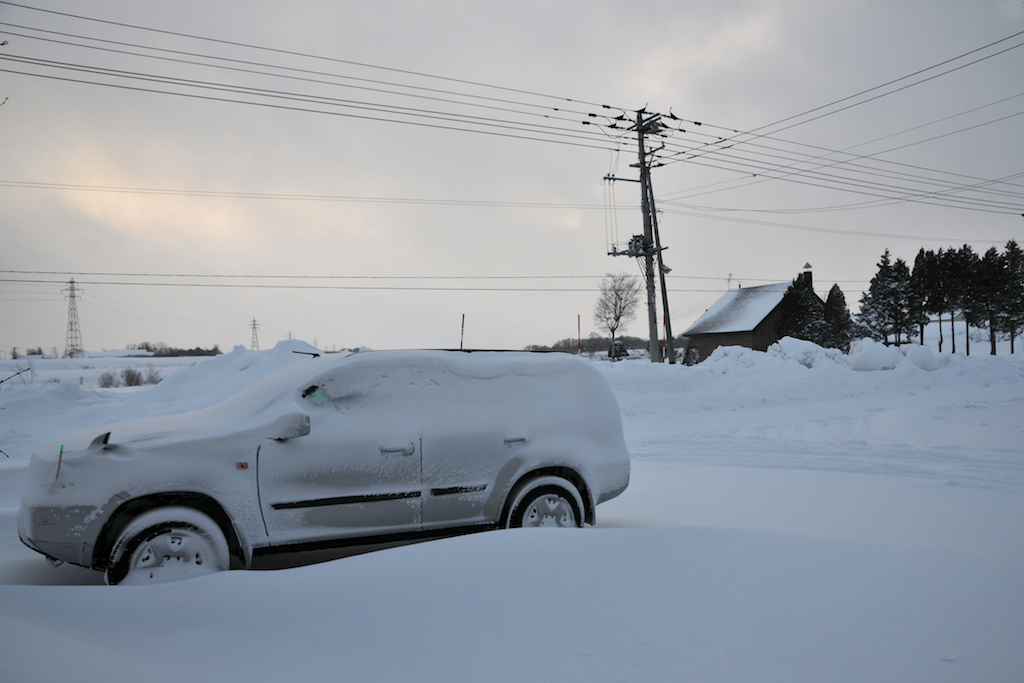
[(796, 515)]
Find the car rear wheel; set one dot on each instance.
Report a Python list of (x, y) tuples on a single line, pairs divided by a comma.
[(546, 501), (167, 544)]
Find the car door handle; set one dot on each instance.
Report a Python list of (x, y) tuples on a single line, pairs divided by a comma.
[(406, 450), (515, 441)]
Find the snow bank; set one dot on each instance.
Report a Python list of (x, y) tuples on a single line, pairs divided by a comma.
[(867, 354), (806, 353), (921, 356)]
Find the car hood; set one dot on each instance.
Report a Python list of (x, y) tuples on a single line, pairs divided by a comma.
[(275, 420)]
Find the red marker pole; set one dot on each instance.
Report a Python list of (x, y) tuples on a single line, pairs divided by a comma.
[(462, 335)]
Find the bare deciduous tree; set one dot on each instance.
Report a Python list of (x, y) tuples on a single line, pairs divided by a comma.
[(617, 304)]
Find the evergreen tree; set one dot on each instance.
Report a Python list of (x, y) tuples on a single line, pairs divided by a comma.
[(801, 312), (899, 305), (990, 288), (925, 296), (938, 298), (1013, 315), (965, 278), (949, 277), (839, 327), (885, 307), (872, 303)]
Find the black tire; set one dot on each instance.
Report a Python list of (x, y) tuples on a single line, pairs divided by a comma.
[(545, 501), (167, 544)]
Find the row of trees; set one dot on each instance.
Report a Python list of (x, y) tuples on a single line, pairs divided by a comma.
[(987, 291), (38, 351), (162, 349), (593, 344)]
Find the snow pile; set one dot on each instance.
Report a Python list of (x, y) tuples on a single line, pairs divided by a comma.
[(806, 353), (867, 354), (921, 356)]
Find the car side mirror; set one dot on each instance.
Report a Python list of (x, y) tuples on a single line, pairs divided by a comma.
[(289, 427)]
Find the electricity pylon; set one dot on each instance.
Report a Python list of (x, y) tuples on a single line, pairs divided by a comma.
[(73, 343), (255, 340)]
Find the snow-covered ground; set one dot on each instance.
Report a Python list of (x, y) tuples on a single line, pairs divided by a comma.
[(796, 515)]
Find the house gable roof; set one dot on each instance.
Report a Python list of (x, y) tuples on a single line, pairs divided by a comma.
[(739, 310)]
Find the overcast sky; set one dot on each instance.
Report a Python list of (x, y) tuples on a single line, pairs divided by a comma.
[(402, 158)]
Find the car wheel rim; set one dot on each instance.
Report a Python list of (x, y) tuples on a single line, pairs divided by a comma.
[(171, 556), (549, 509)]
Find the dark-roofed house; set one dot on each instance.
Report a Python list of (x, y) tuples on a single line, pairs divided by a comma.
[(747, 316)]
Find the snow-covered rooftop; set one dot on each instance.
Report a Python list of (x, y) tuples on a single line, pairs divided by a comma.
[(739, 310)]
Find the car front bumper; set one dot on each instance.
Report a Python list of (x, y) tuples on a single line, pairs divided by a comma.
[(63, 533)]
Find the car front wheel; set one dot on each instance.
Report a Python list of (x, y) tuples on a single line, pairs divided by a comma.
[(167, 544), (546, 501)]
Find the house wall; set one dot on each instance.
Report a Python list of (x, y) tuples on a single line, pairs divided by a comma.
[(758, 339), (765, 334), (702, 345)]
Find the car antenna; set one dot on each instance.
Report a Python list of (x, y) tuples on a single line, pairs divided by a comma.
[(308, 353), (14, 375)]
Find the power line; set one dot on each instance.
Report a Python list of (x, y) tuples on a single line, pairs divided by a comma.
[(362, 277), (439, 120), (897, 80), (736, 161), (833, 231), (271, 105), (752, 167), (295, 53), (794, 159), (755, 134), (544, 109), (308, 277), (226, 285), (225, 194), (854, 162), (463, 119), (940, 193), (291, 95), (874, 157)]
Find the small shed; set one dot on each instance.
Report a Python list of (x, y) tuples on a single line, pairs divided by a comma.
[(746, 316)]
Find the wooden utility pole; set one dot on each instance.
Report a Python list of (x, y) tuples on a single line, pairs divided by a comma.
[(670, 346), (648, 246), (645, 206)]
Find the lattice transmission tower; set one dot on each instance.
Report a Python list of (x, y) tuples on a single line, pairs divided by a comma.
[(73, 344), (255, 340)]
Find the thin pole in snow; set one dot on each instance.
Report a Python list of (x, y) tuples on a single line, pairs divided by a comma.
[(462, 335), (579, 336)]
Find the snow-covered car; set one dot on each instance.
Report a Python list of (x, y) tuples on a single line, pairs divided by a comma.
[(374, 447)]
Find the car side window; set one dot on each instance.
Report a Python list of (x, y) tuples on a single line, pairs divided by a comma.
[(315, 395)]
